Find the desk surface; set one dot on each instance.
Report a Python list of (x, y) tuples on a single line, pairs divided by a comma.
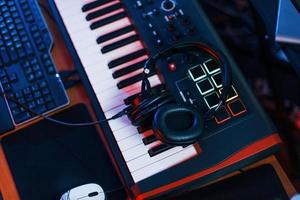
[(77, 95)]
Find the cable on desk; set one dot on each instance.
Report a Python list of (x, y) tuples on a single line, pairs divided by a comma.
[(116, 116)]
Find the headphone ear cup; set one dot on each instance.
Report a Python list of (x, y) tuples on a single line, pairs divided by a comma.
[(178, 124)]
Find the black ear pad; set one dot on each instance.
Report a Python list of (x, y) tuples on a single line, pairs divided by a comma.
[(178, 124)]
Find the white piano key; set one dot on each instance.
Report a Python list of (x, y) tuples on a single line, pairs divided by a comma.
[(138, 151), (163, 164), (130, 142), (125, 132), (146, 160)]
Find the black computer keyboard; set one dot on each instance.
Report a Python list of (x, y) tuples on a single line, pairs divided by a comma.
[(27, 71)]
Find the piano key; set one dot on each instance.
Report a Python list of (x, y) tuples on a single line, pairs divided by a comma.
[(158, 87), (109, 100), (107, 95), (94, 4), (164, 164), (125, 133), (137, 151), (142, 129), (130, 142), (130, 68), (119, 44), (127, 58), (150, 139), (146, 160), (104, 11), (115, 34), (107, 20), (131, 80), (159, 149)]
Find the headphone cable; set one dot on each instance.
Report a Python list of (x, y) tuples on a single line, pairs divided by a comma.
[(44, 116)]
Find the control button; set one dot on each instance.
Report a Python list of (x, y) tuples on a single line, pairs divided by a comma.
[(168, 5), (197, 73), (205, 86), (212, 66), (232, 94), (217, 80), (159, 42), (236, 107), (222, 115), (139, 4), (212, 100), (154, 33)]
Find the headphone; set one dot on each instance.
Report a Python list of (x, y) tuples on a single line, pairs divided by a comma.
[(175, 123)]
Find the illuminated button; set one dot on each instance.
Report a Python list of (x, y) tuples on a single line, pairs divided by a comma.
[(212, 66), (222, 115), (205, 86), (217, 80), (197, 73), (236, 107), (232, 94), (212, 100)]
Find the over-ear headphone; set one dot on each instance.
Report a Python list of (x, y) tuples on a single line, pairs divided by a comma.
[(174, 123)]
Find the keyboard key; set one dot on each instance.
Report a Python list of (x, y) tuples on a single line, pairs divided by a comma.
[(205, 86), (94, 4), (222, 115), (114, 34), (212, 100), (128, 69), (107, 20), (197, 73), (104, 11), (212, 66), (237, 107), (150, 139), (119, 44), (232, 94), (127, 58), (217, 80), (159, 149)]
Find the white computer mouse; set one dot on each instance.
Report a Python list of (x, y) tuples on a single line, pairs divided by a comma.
[(90, 191)]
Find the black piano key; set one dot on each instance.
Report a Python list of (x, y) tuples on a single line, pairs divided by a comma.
[(119, 44), (128, 69), (144, 128), (114, 34), (159, 149), (130, 81), (107, 20), (127, 82), (94, 4), (104, 11), (150, 139), (127, 58), (129, 99)]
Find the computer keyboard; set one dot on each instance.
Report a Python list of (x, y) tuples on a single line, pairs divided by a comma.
[(27, 71)]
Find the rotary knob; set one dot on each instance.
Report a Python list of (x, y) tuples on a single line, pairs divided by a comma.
[(168, 5)]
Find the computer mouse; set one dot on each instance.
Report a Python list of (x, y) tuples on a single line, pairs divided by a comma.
[(90, 191)]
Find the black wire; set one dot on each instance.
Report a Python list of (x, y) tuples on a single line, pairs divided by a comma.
[(12, 99)]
